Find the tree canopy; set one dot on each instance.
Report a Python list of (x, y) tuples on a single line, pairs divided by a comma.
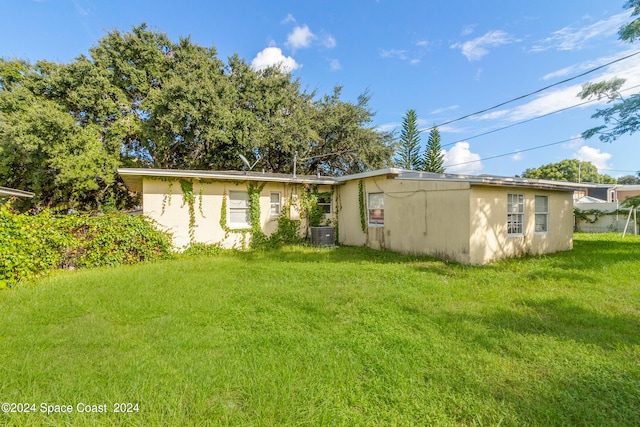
[(140, 99), (623, 114), (629, 180), (569, 170), (433, 158), (408, 155)]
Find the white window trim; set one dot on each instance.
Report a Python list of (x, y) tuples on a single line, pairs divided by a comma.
[(272, 204), (520, 214), (369, 223), (545, 213), (230, 208)]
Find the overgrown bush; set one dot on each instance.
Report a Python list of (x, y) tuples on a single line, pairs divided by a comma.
[(31, 245)]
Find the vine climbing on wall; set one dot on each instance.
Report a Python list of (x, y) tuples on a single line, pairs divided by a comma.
[(363, 217)]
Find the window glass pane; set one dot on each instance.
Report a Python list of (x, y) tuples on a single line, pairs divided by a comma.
[(275, 204), (515, 213), (541, 223), (238, 199), (542, 204), (239, 216), (376, 201), (376, 208), (239, 209), (324, 203)]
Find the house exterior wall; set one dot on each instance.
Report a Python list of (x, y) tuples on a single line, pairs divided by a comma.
[(418, 217), (174, 218), (623, 195), (453, 220), (489, 239)]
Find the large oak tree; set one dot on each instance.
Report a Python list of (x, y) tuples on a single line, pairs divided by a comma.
[(141, 99)]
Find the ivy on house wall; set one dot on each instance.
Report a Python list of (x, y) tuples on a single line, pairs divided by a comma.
[(310, 208), (363, 217), (166, 199), (189, 199), (288, 230), (257, 235)]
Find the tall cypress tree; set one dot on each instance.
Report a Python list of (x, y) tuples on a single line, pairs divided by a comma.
[(433, 159), (408, 155)]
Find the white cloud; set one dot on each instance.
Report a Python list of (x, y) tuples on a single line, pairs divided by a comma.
[(394, 53), (272, 56), (476, 48), (288, 19), (593, 155), (400, 54), (445, 109), (517, 157), (334, 65), (575, 38), (459, 159), (300, 37), (388, 127), (328, 41), (82, 9), (554, 100), (469, 29)]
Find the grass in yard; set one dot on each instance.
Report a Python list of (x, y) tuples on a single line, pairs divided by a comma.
[(345, 336)]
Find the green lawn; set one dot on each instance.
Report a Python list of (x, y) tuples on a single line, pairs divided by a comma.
[(346, 336)]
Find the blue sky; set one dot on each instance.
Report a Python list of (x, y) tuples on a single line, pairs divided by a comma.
[(443, 59)]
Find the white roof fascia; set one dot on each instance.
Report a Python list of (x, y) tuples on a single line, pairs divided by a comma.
[(254, 176), (12, 192), (369, 174)]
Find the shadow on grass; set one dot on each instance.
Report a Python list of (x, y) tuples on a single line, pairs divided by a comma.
[(563, 319), (590, 252), (587, 399)]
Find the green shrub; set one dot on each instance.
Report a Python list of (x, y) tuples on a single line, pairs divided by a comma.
[(202, 249), (32, 245)]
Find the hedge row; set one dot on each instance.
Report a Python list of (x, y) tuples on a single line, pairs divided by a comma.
[(31, 245)]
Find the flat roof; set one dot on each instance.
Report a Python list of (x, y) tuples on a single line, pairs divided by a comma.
[(132, 177), (12, 192), (502, 181)]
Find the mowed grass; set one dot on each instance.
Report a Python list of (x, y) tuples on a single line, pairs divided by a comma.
[(346, 336)]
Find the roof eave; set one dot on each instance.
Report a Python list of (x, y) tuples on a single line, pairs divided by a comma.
[(12, 192), (133, 177)]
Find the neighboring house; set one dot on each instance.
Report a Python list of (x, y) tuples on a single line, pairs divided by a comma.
[(6, 192), (600, 208), (467, 219)]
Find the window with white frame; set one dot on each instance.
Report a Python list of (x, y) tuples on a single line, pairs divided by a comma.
[(239, 213), (515, 214), (324, 203), (542, 214), (375, 209), (275, 205)]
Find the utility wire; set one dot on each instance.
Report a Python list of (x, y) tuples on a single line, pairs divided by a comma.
[(537, 91), (515, 152), (531, 119)]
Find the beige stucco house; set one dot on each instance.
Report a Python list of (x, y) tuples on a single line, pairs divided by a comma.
[(466, 219)]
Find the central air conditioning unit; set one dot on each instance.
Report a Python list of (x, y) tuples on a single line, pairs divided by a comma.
[(323, 236)]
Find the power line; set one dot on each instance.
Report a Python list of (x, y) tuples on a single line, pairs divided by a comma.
[(531, 119), (515, 152), (536, 91)]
